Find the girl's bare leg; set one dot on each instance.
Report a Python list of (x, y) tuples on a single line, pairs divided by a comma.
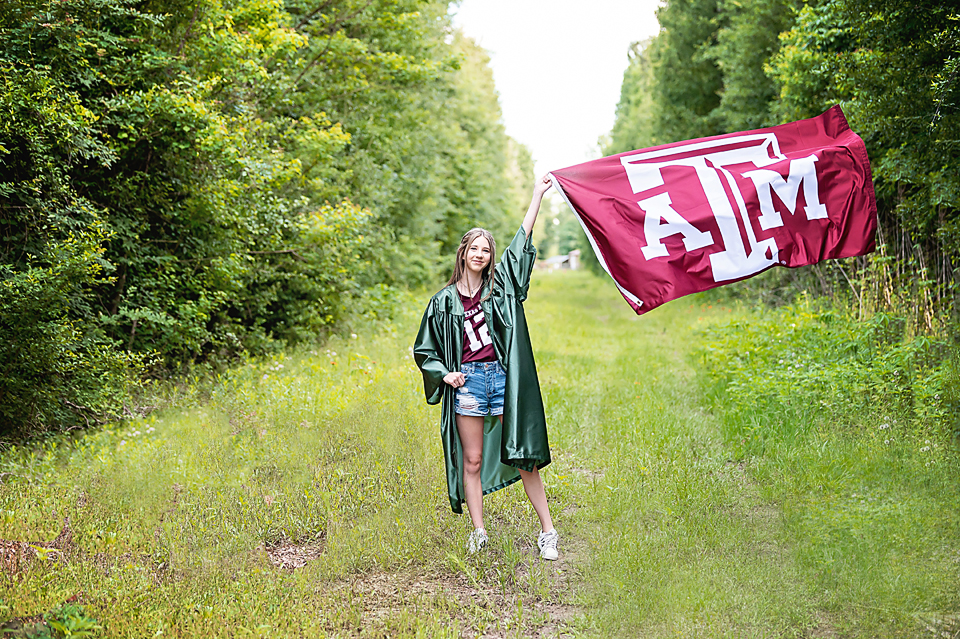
[(471, 439), (533, 486)]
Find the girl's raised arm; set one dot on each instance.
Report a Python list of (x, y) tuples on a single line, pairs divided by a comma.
[(540, 187)]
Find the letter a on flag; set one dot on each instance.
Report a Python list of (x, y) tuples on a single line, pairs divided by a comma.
[(680, 218)]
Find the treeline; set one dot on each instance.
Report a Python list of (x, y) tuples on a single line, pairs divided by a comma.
[(719, 66), (186, 182)]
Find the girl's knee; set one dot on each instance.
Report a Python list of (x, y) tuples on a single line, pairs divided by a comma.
[(472, 463)]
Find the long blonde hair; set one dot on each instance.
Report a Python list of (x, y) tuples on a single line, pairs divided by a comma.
[(461, 264)]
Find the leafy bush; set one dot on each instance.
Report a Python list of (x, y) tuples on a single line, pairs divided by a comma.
[(800, 366), (298, 293), (191, 183), (69, 620), (56, 369)]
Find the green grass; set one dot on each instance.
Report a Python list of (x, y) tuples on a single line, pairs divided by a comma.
[(866, 471), (671, 525)]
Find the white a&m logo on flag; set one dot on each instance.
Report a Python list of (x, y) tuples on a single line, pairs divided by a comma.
[(742, 253)]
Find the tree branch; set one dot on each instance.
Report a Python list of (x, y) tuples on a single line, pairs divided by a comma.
[(189, 31), (332, 32), (307, 18), (292, 252)]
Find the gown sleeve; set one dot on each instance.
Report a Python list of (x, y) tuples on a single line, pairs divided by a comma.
[(428, 356), (516, 265)]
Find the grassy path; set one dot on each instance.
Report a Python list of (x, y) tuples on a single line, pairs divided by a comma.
[(675, 538), (304, 497)]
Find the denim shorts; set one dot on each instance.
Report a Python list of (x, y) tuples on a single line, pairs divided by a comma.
[(482, 393)]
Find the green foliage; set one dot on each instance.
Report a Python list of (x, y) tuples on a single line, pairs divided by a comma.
[(559, 231), (59, 368), (70, 621), (634, 126), (802, 367), (64, 622), (808, 59), (55, 368), (427, 153), (306, 290), (688, 80), (744, 46), (703, 74), (195, 183)]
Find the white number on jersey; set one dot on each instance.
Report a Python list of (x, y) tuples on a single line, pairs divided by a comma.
[(476, 344)]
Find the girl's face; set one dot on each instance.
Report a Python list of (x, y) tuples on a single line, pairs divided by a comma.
[(478, 255)]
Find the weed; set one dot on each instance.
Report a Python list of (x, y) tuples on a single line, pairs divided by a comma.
[(65, 622)]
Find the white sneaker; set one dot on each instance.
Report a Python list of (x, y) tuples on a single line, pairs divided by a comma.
[(547, 541), (477, 540)]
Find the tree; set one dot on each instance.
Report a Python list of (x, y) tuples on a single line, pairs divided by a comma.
[(894, 66), (687, 80), (193, 182)]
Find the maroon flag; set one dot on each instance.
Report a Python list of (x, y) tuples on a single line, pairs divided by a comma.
[(686, 217)]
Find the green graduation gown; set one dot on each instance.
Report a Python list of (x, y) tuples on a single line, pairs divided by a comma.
[(521, 441)]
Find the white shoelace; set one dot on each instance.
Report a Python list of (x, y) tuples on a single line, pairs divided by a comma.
[(548, 539)]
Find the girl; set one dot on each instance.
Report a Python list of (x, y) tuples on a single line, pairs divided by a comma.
[(474, 351)]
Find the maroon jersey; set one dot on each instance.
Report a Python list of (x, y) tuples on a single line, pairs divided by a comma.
[(477, 345)]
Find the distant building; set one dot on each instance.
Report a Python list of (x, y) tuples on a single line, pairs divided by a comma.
[(569, 261)]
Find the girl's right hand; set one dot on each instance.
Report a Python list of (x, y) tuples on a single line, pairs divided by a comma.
[(542, 185), (455, 379)]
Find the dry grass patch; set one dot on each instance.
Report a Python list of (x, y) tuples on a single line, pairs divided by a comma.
[(290, 556), (470, 606)]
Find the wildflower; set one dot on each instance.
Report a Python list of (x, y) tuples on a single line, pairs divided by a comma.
[(884, 426), (122, 442), (886, 441), (353, 336), (924, 449)]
